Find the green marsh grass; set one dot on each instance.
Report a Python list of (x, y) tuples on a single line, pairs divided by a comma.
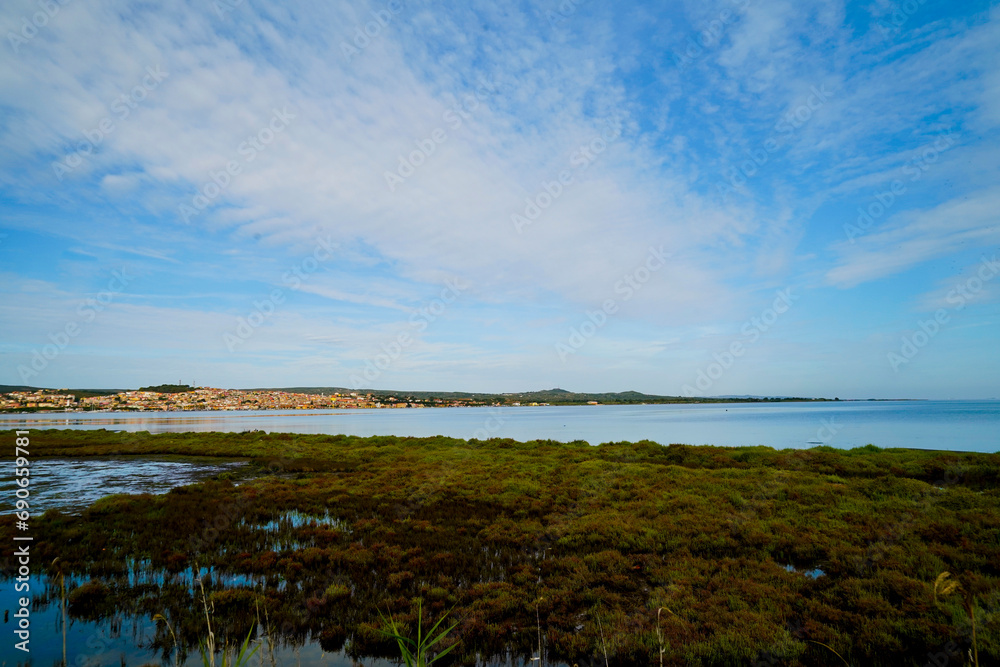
[(238, 658), (708, 532), (418, 652), (176, 648), (944, 586)]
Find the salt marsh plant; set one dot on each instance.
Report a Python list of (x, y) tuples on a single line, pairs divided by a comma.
[(659, 632), (417, 652), (604, 645), (538, 626), (944, 586), (267, 632), (62, 607), (173, 635), (207, 646), (831, 651)]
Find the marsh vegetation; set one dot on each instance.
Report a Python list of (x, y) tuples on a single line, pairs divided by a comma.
[(547, 550)]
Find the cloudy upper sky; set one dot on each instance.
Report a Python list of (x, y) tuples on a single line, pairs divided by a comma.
[(710, 198)]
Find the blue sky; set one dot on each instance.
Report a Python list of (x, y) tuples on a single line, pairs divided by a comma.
[(711, 198)]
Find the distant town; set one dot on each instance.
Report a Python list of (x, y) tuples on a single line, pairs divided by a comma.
[(184, 397), (207, 398)]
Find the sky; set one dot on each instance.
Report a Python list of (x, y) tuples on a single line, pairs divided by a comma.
[(687, 198)]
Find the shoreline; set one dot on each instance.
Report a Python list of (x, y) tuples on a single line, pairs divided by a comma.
[(507, 405)]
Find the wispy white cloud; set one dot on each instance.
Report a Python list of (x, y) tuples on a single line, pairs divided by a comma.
[(958, 225)]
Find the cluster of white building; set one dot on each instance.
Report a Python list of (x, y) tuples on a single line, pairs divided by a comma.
[(204, 398)]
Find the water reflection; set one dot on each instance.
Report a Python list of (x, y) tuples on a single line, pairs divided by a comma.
[(102, 635), (135, 640), (277, 531), (71, 485), (814, 573)]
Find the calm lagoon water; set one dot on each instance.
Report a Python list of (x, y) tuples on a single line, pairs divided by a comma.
[(127, 640), (946, 425), (73, 484)]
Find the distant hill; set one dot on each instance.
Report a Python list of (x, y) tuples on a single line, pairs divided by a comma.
[(169, 388), (7, 388), (554, 396), (79, 393)]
